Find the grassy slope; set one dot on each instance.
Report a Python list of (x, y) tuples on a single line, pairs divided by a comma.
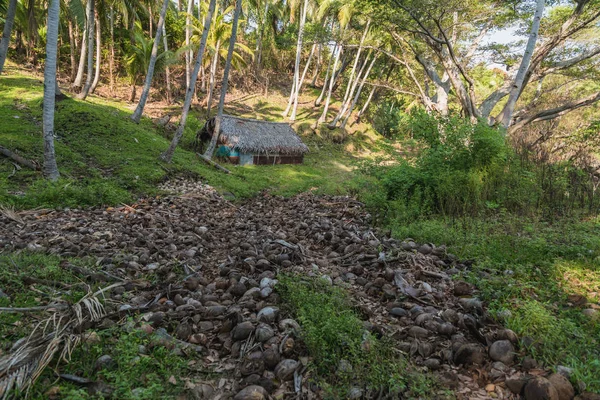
[(104, 158)]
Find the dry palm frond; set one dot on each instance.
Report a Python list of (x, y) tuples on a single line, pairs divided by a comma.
[(11, 214), (54, 335)]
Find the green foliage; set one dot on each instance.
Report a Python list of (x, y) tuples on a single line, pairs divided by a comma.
[(389, 120), (345, 355)]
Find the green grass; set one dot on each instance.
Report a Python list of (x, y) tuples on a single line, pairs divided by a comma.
[(334, 335), (106, 159), (534, 266)]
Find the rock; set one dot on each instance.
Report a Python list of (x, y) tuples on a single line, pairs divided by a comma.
[(268, 314), (104, 362), (399, 312), (588, 396), (563, 387), (425, 249), (271, 358), (253, 392), (566, 371), (242, 331), (529, 363), (285, 369), (183, 331), (462, 288), (289, 324), (215, 311), (355, 393), (237, 289), (469, 354), (418, 332), (591, 313), (540, 389), (507, 334), (263, 333), (515, 385), (432, 363), (503, 351)]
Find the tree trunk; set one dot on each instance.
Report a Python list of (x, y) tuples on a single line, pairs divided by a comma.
[(167, 69), (215, 137), (8, 23), (98, 54), (132, 92), (323, 116), (357, 95), (313, 82), (297, 95), (50, 167), (366, 105), (350, 94), (32, 28), (259, 40), (150, 19), (168, 155), (325, 82), (73, 49), (351, 85), (90, 52), (296, 83), (137, 114), (111, 64), (82, 56), (505, 116), (211, 78), (188, 33)]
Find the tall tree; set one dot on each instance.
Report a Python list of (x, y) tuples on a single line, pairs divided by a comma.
[(8, 23), (137, 114), (505, 116), (50, 167), (82, 57), (90, 50), (167, 69), (296, 84), (215, 137), (323, 116), (189, 53), (168, 154), (98, 53)]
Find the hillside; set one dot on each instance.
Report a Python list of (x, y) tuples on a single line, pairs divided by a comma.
[(106, 159)]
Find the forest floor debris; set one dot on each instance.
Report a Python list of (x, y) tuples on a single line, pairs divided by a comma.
[(198, 275)]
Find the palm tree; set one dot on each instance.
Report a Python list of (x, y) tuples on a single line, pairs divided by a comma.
[(168, 154), (98, 52), (189, 54), (50, 167), (215, 137), (137, 115), (8, 23), (90, 49), (296, 84)]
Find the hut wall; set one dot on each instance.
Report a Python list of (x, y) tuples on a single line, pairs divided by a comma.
[(246, 159), (278, 159)]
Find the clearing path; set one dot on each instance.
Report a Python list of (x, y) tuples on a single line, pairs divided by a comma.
[(217, 263)]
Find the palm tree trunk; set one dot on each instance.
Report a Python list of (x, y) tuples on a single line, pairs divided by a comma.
[(150, 19), (215, 137), (167, 69), (168, 154), (325, 82), (505, 116), (50, 167), (313, 82), (366, 105), (323, 116), (98, 54), (8, 23), (357, 95), (111, 64), (188, 54), (137, 114), (211, 79), (82, 56), (297, 94), (259, 41), (90, 53), (350, 93), (73, 49), (298, 57)]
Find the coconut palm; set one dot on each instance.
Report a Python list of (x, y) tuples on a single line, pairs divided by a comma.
[(137, 115), (50, 167), (232, 40), (89, 13), (8, 23), (168, 154)]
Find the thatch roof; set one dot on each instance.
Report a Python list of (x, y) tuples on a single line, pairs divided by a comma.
[(254, 136)]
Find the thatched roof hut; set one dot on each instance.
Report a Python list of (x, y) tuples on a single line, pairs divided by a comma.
[(266, 142)]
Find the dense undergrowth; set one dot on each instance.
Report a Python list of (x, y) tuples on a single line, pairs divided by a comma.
[(532, 230)]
